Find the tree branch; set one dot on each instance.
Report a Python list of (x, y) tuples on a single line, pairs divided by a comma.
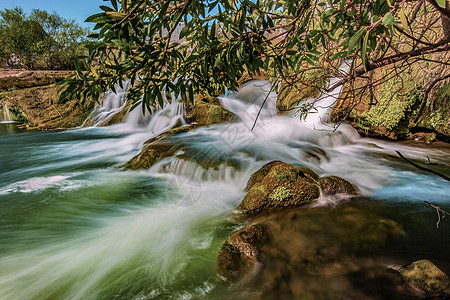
[(426, 94), (422, 168)]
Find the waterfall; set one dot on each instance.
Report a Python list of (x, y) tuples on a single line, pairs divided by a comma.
[(6, 115), (110, 105), (155, 121)]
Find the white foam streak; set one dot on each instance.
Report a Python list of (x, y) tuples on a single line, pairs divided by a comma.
[(155, 240)]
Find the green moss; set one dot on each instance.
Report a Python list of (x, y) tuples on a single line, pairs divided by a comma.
[(17, 114), (393, 103), (281, 193), (437, 118), (281, 173), (424, 275)]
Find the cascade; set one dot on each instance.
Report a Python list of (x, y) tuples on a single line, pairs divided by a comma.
[(155, 121), (110, 104), (6, 115)]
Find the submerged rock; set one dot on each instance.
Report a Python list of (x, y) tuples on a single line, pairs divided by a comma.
[(326, 252), (424, 275), (239, 254), (331, 185)]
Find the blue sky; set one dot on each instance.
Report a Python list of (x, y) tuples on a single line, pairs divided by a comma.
[(68, 9)]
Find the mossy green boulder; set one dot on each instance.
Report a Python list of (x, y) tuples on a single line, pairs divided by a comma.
[(278, 184), (424, 275)]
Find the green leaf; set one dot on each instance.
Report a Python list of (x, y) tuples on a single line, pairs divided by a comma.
[(364, 49), (114, 4), (403, 19), (184, 31), (106, 8), (355, 39), (212, 34), (96, 18), (388, 19), (441, 3), (341, 54)]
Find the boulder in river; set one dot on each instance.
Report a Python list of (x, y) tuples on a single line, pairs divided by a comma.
[(278, 184)]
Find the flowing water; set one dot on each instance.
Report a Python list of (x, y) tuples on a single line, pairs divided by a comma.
[(74, 225)]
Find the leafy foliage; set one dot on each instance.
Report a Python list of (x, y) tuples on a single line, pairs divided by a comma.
[(178, 48), (40, 37)]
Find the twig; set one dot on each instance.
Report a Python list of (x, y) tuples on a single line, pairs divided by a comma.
[(422, 168), (438, 211), (57, 110), (262, 105)]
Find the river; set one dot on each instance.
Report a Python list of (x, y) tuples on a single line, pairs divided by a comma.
[(75, 225)]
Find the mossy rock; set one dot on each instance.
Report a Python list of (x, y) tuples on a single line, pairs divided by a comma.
[(278, 184), (424, 275), (156, 149), (149, 155), (206, 111), (17, 114), (239, 255), (332, 185)]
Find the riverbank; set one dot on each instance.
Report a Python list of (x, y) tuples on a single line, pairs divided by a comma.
[(31, 99)]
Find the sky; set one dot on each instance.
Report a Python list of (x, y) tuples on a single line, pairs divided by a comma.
[(78, 10)]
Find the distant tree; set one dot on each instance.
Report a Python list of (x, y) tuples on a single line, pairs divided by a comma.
[(223, 39), (41, 36), (64, 41), (21, 36)]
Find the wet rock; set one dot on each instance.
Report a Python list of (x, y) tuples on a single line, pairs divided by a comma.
[(239, 255), (119, 117), (156, 149), (278, 184), (424, 275), (206, 111), (424, 137), (331, 185), (149, 155)]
